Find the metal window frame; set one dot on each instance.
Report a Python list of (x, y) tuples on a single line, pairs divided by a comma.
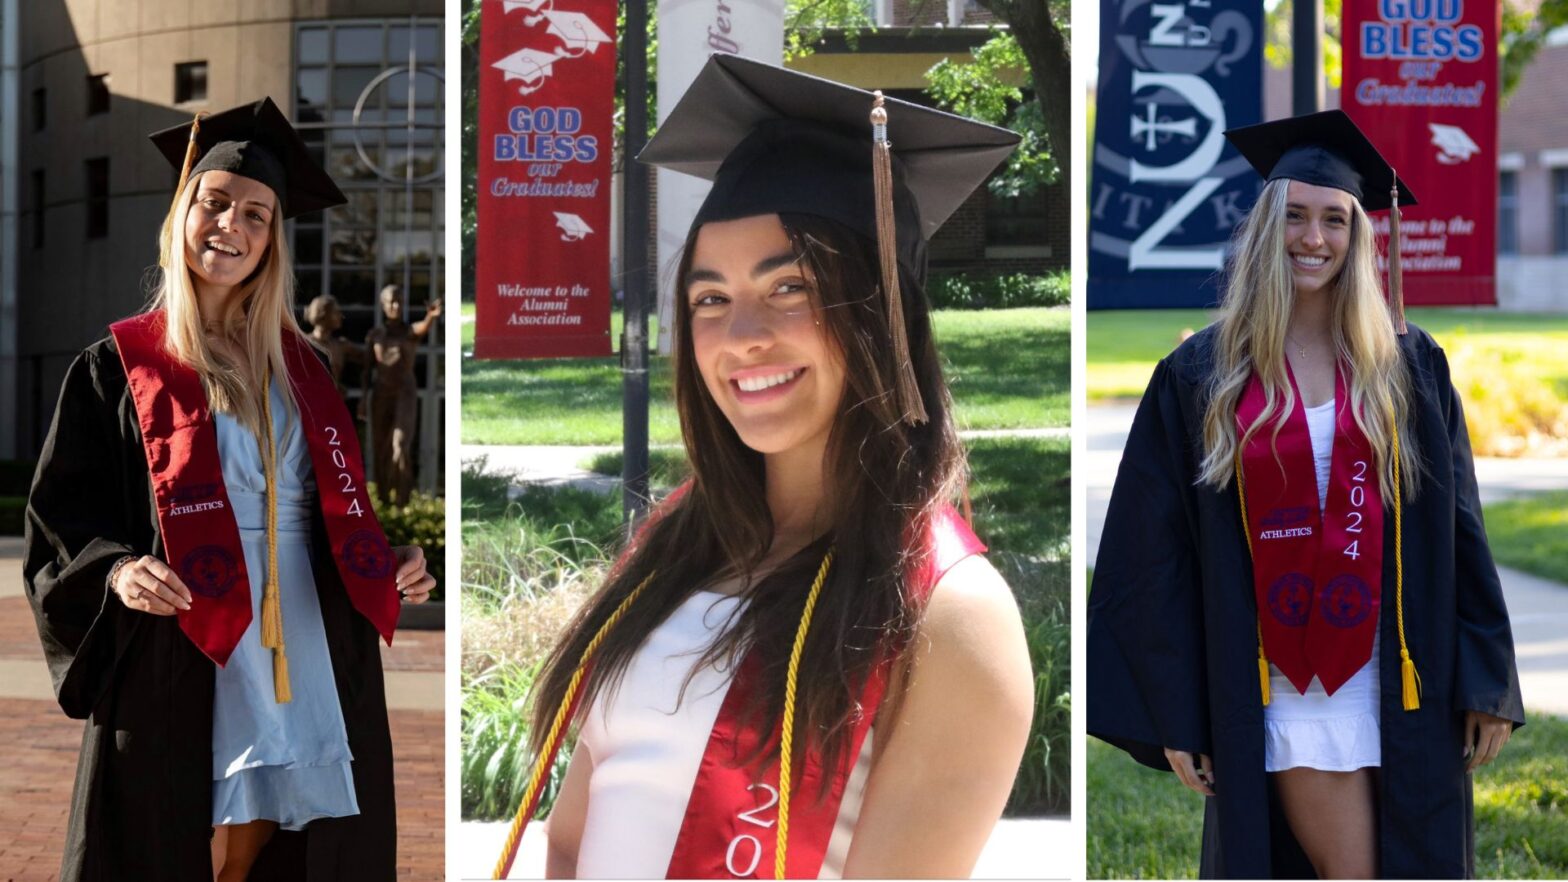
[(432, 393)]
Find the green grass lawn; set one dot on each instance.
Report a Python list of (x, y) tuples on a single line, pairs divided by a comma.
[(1511, 369), (1007, 369), (1531, 534), (1142, 824)]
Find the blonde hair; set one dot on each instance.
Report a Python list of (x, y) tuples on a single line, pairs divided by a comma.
[(1259, 297), (256, 317)]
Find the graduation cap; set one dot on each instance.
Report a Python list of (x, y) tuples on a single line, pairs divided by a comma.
[(530, 8), (254, 141), (776, 141), (1327, 149), (576, 30), (529, 65), (572, 227)]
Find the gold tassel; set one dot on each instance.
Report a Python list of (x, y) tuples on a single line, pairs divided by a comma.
[(271, 596), (1409, 680), (1263, 675), (1396, 281), (910, 405), (280, 677)]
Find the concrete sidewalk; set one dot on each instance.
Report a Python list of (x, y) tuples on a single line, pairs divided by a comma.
[(1537, 608), (1019, 848), (556, 465)]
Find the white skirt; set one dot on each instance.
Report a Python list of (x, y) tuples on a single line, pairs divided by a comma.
[(1333, 733)]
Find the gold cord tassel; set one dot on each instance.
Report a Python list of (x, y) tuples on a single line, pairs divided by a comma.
[(1396, 281), (1263, 672), (910, 405), (271, 598), (787, 725), (1409, 680)]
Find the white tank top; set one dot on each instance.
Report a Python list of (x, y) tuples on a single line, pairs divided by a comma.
[(646, 740), (1339, 732)]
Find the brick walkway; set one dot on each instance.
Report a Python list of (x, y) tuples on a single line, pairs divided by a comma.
[(36, 776)]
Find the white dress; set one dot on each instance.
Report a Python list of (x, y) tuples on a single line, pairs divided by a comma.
[(646, 741), (1334, 733)]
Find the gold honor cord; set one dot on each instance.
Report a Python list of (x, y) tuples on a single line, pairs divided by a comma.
[(271, 601), (1410, 681), (787, 727), (557, 732), (558, 724)]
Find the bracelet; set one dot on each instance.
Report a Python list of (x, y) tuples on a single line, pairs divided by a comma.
[(115, 570)]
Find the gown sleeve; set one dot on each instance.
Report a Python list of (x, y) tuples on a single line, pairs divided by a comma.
[(78, 525), (1146, 683), (1486, 678)]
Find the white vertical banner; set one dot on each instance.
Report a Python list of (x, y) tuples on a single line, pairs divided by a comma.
[(690, 31)]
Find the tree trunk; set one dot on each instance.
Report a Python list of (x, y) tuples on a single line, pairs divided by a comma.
[(1050, 64)]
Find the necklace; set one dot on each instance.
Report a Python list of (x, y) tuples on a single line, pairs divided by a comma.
[(1300, 349)]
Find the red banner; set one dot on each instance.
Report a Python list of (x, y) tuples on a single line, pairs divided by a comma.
[(1420, 78), (546, 96)]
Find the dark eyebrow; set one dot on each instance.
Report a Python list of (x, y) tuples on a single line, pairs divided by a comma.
[(1301, 207), (208, 191), (763, 267)]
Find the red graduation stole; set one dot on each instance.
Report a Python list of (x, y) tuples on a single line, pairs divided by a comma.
[(729, 827), (201, 540), (1317, 575)]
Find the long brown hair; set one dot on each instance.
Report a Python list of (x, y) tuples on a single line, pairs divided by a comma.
[(886, 480)]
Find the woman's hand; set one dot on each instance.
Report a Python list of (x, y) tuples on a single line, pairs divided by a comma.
[(1485, 736), (1199, 778), (413, 581), (151, 586)]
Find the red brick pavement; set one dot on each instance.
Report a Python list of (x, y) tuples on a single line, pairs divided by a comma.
[(36, 775)]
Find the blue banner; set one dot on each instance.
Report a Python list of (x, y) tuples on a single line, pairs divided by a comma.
[(1166, 188)]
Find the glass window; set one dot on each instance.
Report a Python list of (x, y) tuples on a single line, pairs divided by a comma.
[(1019, 220), (1508, 212), (97, 94), (1560, 210), (97, 197), (190, 81), (40, 109), (357, 45), (313, 46)]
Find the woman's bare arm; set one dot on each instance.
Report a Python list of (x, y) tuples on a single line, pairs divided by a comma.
[(942, 774), (564, 829)]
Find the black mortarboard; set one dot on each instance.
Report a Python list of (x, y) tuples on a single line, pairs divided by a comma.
[(776, 141), (1325, 149), (255, 141)]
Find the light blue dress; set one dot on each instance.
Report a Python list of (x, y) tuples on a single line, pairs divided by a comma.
[(288, 763)]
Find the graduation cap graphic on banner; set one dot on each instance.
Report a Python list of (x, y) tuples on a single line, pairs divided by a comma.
[(577, 31), (573, 228), (533, 9), (1453, 144), (528, 65)]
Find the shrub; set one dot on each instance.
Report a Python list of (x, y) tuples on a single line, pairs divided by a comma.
[(421, 522), (965, 291), (1043, 589)]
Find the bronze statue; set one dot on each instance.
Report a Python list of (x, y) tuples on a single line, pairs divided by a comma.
[(325, 319), (394, 401)]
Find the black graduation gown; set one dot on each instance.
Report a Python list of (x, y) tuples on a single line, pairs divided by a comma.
[(1172, 639), (141, 807)]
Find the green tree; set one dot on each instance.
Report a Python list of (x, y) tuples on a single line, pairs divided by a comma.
[(980, 88), (1042, 29)]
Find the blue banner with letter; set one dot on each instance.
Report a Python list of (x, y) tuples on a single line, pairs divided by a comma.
[(1166, 189)]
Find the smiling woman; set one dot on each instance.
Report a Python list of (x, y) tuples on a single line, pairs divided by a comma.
[(771, 680), (1290, 471), (223, 651)]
